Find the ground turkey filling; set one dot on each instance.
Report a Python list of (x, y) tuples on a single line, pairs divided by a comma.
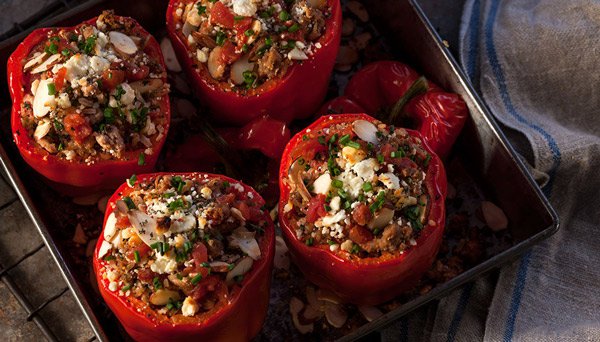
[(359, 189), (244, 43), (95, 92), (181, 245)]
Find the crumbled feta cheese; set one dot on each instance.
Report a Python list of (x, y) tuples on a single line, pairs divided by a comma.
[(322, 184), (163, 264), (366, 169), (390, 180), (77, 66), (112, 286), (331, 219), (335, 203), (129, 96), (347, 245), (189, 307), (63, 100), (246, 8), (99, 64)]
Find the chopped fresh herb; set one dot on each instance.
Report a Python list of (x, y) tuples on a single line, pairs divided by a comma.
[(194, 236), (333, 167), (187, 246), (58, 126), (99, 83), (347, 205), (129, 202), (109, 116), (60, 147), (55, 39), (138, 118), (176, 204), (156, 282), (427, 160), (378, 202), (126, 288), (309, 241), (367, 186), (249, 32), (225, 184), (353, 144), (201, 9), (342, 194), (89, 45), (155, 245), (119, 92), (230, 266), (51, 49), (268, 41), (245, 47), (380, 158), (355, 249), (330, 242), (51, 89), (304, 137), (336, 183), (196, 279), (376, 231), (249, 79), (66, 52), (131, 181), (27, 105), (221, 37), (284, 16), (294, 28), (109, 258), (321, 140), (205, 265), (136, 255), (370, 146), (141, 159), (344, 139), (168, 195)]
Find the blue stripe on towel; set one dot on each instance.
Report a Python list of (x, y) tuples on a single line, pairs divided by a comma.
[(554, 149), (460, 311)]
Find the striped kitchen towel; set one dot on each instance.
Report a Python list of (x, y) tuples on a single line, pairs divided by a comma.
[(536, 64)]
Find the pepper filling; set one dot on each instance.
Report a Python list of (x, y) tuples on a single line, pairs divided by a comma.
[(95, 91), (245, 43), (359, 189), (181, 245)]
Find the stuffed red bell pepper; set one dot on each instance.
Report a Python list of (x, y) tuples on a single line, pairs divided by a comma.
[(394, 93), (362, 206), (186, 256), (90, 102), (253, 58)]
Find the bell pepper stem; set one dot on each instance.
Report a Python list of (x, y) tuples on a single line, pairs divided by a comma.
[(419, 86)]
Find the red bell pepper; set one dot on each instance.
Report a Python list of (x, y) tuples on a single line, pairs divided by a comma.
[(298, 94), (74, 176), (368, 280), (203, 153), (439, 116), (243, 309)]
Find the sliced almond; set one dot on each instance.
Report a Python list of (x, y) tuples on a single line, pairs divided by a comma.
[(110, 228), (366, 131), (169, 54), (145, 226), (105, 247), (241, 268), (370, 312), (494, 216), (239, 67), (162, 296), (42, 129), (246, 242), (296, 306), (46, 65), (146, 86), (328, 296), (37, 59), (122, 42), (335, 314), (42, 102)]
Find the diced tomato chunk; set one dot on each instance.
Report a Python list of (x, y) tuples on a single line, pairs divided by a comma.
[(360, 234), (226, 199), (228, 54), (77, 127), (59, 78), (243, 208), (137, 72), (362, 214), (316, 208), (200, 253), (221, 15), (146, 275), (206, 285), (111, 78)]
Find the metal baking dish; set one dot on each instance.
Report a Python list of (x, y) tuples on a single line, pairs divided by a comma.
[(483, 149)]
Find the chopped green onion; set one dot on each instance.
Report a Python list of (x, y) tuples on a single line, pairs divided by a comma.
[(380, 158), (294, 28), (196, 279), (427, 160), (66, 52), (51, 89), (378, 202), (51, 49), (344, 139), (367, 186), (156, 282), (249, 32), (109, 258), (176, 204), (129, 202), (109, 116), (155, 245), (141, 159), (187, 246), (221, 37), (353, 144), (136, 255), (284, 16), (205, 264), (125, 288), (321, 140), (336, 183), (131, 181), (58, 126), (90, 43), (201, 9), (309, 241)]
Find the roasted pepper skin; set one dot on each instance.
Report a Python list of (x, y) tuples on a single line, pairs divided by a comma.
[(438, 115), (367, 281), (74, 177), (240, 320), (297, 95)]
